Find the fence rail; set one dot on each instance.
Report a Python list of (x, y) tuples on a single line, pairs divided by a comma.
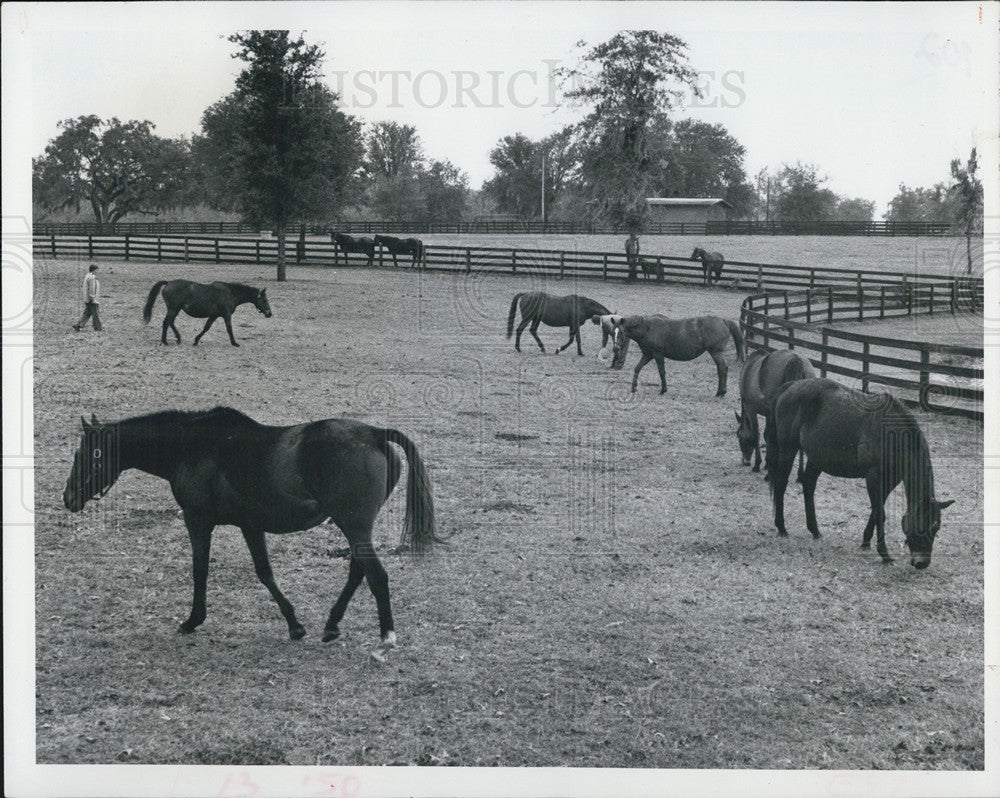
[(789, 304), (936, 377), (512, 226)]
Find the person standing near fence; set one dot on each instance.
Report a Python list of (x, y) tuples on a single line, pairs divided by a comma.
[(632, 255), (91, 301)]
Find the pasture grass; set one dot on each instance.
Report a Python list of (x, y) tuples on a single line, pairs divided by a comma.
[(613, 594)]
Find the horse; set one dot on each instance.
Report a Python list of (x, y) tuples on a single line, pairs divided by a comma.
[(347, 244), (225, 468), (711, 263), (847, 433), (413, 247), (198, 300), (763, 375), (608, 323), (679, 339), (632, 255), (556, 311)]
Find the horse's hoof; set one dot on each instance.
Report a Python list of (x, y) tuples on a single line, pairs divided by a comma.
[(782, 534), (866, 545), (816, 535), (330, 634), (756, 469), (388, 641), (187, 627), (234, 343), (887, 560), (662, 391), (296, 632)]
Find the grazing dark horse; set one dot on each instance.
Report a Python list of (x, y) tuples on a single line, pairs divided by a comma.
[(225, 468), (216, 300), (764, 374), (413, 247), (556, 311), (349, 244), (608, 323), (711, 263), (847, 433), (679, 339)]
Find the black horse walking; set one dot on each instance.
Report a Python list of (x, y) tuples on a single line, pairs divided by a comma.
[(349, 244), (678, 339), (763, 375), (413, 247), (214, 301), (225, 468), (538, 307), (711, 264), (847, 433)]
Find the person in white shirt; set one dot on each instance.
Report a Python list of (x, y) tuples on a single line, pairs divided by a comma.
[(91, 292)]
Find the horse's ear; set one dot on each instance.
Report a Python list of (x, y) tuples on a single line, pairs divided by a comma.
[(84, 424), (738, 419), (93, 420), (946, 503)]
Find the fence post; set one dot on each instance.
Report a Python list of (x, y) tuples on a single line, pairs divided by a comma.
[(217, 258), (785, 292), (865, 351), (562, 265), (909, 295), (809, 306), (513, 261), (760, 277), (605, 273), (185, 249), (881, 302), (823, 354), (954, 294), (931, 309), (829, 304), (126, 246), (258, 251), (767, 316), (791, 337), (925, 377)]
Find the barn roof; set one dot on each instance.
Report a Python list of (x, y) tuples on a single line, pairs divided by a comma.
[(688, 201)]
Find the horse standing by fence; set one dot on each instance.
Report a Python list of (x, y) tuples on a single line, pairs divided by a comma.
[(216, 300), (679, 339), (225, 468), (413, 247), (538, 307), (763, 375), (847, 433), (349, 244), (711, 264)]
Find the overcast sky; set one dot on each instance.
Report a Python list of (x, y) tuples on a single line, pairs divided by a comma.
[(874, 94)]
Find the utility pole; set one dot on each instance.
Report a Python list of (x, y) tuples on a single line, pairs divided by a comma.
[(543, 191)]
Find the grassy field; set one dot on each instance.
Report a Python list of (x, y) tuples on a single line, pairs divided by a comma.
[(613, 594)]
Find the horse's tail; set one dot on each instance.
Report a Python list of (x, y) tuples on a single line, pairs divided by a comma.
[(512, 314), (147, 312), (734, 330), (418, 524)]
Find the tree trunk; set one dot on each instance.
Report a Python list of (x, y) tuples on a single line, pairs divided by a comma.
[(280, 233)]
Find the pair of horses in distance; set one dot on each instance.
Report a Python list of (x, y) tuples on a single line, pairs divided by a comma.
[(843, 433), (346, 244)]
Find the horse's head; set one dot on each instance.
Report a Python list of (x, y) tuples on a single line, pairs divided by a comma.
[(920, 525), (96, 464), (619, 334), (696, 255), (378, 240), (260, 302), (744, 434)]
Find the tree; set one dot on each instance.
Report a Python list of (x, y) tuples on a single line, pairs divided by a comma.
[(279, 147), (698, 159), (116, 167), (856, 209), (444, 189), (968, 190), (935, 204), (798, 196), (519, 162), (392, 150), (629, 82)]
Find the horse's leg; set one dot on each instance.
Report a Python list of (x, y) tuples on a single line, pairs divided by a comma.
[(168, 324), (635, 375), (534, 333), (227, 318), (874, 485), (755, 430), (572, 335), (355, 576), (262, 565), (579, 345), (722, 369), (809, 478), (779, 481), (378, 581), (200, 535), (209, 323), (520, 329), (663, 373), (866, 536)]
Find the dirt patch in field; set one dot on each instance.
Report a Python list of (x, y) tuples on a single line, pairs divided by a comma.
[(613, 593)]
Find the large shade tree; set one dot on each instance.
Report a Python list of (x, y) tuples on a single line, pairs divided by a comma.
[(117, 168), (968, 192), (629, 83), (278, 149)]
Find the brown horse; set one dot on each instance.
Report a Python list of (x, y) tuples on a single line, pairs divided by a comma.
[(349, 244), (413, 247), (216, 300), (608, 323), (711, 264), (225, 468), (538, 307), (679, 339), (764, 374), (847, 433)]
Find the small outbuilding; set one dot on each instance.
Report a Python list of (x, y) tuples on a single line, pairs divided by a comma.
[(684, 209)]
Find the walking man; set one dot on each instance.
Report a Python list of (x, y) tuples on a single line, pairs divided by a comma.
[(632, 255), (91, 292)]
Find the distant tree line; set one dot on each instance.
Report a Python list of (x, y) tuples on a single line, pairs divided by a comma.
[(278, 150)]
